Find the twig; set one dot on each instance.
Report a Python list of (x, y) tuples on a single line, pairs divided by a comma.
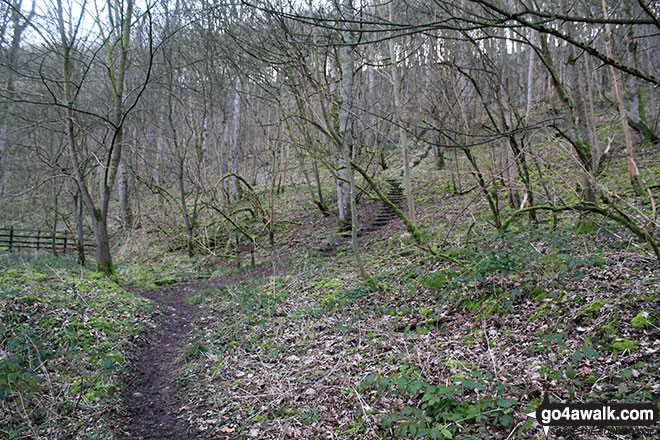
[(362, 405), (514, 430), (490, 352), (48, 179)]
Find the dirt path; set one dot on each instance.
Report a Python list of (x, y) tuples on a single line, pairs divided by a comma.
[(150, 396)]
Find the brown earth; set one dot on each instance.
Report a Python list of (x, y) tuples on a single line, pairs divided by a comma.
[(150, 396), (153, 410)]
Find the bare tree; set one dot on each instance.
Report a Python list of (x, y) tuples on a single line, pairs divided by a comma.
[(116, 38), (14, 19)]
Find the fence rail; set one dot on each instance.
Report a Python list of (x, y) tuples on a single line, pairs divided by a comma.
[(12, 238)]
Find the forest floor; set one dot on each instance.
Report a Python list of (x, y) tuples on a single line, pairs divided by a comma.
[(318, 354), (153, 408)]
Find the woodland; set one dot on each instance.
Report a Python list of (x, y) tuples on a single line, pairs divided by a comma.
[(337, 219)]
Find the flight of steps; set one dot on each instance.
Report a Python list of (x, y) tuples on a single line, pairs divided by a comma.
[(386, 215)]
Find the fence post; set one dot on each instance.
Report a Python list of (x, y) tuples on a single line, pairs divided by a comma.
[(11, 238), (38, 239), (66, 233)]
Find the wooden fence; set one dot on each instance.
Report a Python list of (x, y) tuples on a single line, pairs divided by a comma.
[(62, 242)]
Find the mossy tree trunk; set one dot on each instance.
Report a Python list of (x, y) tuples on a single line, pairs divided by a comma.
[(583, 149), (103, 257), (410, 226), (638, 117), (123, 192), (80, 242)]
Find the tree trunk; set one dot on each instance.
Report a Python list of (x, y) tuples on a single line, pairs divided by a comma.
[(491, 196), (438, 153), (56, 193), (637, 118), (3, 137), (188, 220), (583, 149), (123, 190), (103, 257), (271, 201), (158, 169), (399, 111), (633, 172), (431, 77), (343, 202), (284, 167), (346, 128), (599, 153), (19, 21), (510, 173), (237, 144), (530, 84), (80, 243), (319, 190), (520, 157)]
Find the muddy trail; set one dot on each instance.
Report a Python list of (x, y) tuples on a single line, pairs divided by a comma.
[(150, 396), (151, 401)]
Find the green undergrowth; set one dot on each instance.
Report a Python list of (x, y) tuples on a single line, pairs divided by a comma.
[(240, 308), (143, 262), (471, 405), (507, 268), (65, 332), (171, 269)]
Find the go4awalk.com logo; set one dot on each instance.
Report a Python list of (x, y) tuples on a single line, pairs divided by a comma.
[(594, 414)]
